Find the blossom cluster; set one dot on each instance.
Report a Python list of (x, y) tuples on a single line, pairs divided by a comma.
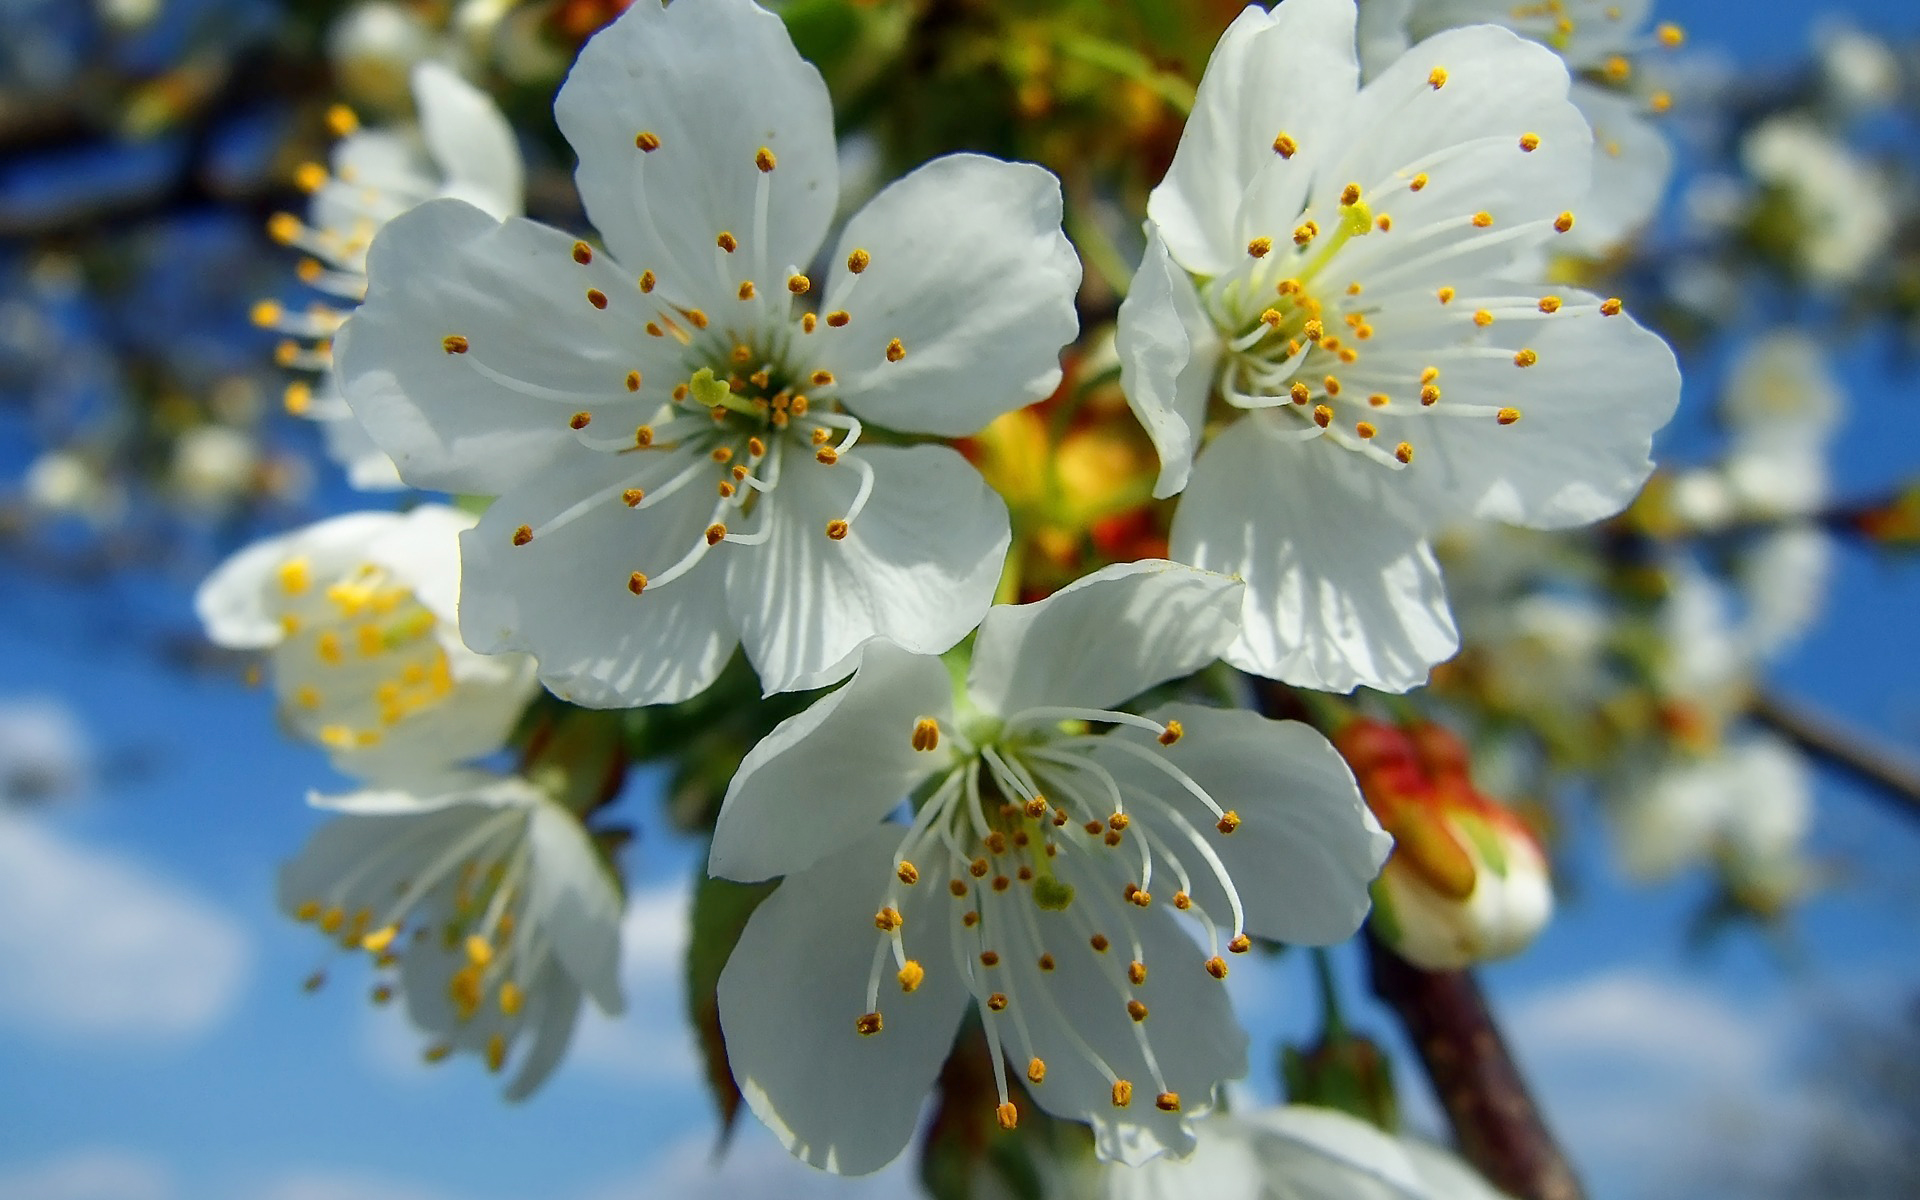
[(736, 416)]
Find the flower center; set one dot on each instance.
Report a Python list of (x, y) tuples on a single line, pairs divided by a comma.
[(1014, 824)]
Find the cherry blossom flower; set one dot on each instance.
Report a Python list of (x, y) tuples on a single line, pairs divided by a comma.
[(676, 425), (357, 616), (461, 147), (1084, 889), (1604, 44), (487, 901), (1330, 295)]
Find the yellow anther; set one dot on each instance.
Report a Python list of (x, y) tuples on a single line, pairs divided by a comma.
[(868, 1024), (1172, 733), (1007, 1114), (310, 177), (1670, 35), (1417, 182), (633, 381), (298, 398), (911, 975), (332, 919), (283, 227), (596, 297), (1482, 219), (496, 1052), (827, 456), (1379, 400), (1383, 223), (1122, 1093), (296, 576), (643, 434), (1036, 1071), (1046, 962), (1260, 247), (327, 647), (1482, 318), (926, 733), (888, 919), (341, 120), (1350, 195), (726, 241), (1437, 78), (1404, 452), (755, 447), (646, 141), (436, 1053), (1445, 295), (698, 318), (647, 281), (1140, 898), (1525, 357), (989, 958), (1300, 392), (479, 950), (1563, 222), (808, 322), (307, 911), (1610, 307), (1365, 430), (716, 532), (1217, 967), (380, 939), (1430, 395), (1167, 1102), (1099, 943), (1228, 822), (837, 529), (1305, 233), (907, 873), (1429, 375), (859, 261), (1284, 145), (896, 350), (580, 420), (1182, 901), (1313, 330), (1136, 972), (523, 535), (1549, 304), (511, 999), (747, 290), (1322, 415), (1113, 837), (1240, 944), (1507, 416), (820, 378), (1660, 102), (1331, 384), (764, 159), (1529, 142), (266, 314)]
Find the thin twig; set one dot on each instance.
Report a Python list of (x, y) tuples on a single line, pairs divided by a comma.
[(1892, 772)]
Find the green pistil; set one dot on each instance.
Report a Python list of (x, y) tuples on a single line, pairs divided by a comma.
[(713, 392)]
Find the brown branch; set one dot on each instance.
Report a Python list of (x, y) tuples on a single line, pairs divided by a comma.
[(1494, 1118), (1892, 772)]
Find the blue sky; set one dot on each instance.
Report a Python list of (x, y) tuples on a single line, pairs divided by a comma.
[(155, 1043)]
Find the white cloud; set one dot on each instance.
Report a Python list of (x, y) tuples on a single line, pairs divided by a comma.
[(652, 1041), (90, 1174), (331, 1184), (755, 1166), (96, 943)]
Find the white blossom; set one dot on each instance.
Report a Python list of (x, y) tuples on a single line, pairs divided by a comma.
[(674, 423), (1750, 803), (461, 146), (357, 615), (1604, 44), (487, 901), (1055, 876), (1841, 209), (1333, 267)]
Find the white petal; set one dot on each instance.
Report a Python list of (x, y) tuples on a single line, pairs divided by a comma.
[(514, 291), (1632, 163), (240, 602), (970, 272), (1382, 34), (1322, 1154), (1443, 1176), (825, 776), (469, 139), (552, 1011), (350, 446), (918, 567), (792, 991), (574, 901), (714, 82), (564, 596), (1291, 70), (1342, 588), (1784, 577), (1224, 1165), (1307, 846), (1168, 350), (1105, 638), (422, 550)]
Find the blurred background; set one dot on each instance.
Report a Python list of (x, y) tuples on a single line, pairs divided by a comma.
[(1702, 1034)]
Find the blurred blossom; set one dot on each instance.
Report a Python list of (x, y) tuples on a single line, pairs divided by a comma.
[(375, 46), (1837, 213), (1858, 71), (65, 483), (128, 15), (213, 466), (45, 755)]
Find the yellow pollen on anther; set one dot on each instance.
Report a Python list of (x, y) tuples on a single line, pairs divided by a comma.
[(1331, 383), (1260, 247), (332, 919), (1383, 222), (1167, 1102), (859, 261), (1445, 295), (596, 297), (436, 1053), (523, 535), (643, 435), (1007, 1114), (1549, 304), (1430, 395), (764, 159), (989, 958), (1529, 142), (1670, 35), (698, 318), (1482, 318), (1404, 452), (1284, 145), (328, 648), (997, 1001), (1365, 430), (888, 919), (1482, 219), (1173, 732), (1618, 68), (511, 998), (837, 529), (310, 177), (1099, 943), (1417, 182), (1525, 357), (1660, 102), (715, 533), (896, 351), (453, 343), (926, 733), (1305, 233), (580, 420), (726, 241), (1036, 1071), (283, 227), (1228, 822), (1563, 222), (1507, 416), (646, 141), (1140, 898), (868, 1024), (1322, 415), (747, 291), (1610, 307), (1137, 1011), (647, 281), (637, 583), (1046, 962), (1217, 967), (1379, 400), (1300, 392), (1437, 78), (911, 975), (1122, 1093), (1240, 944), (827, 456), (1313, 330), (907, 873), (1137, 972), (479, 950), (582, 253), (821, 378)]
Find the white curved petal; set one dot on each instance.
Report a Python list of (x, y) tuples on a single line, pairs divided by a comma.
[(469, 139), (970, 272), (1342, 588), (795, 986), (422, 550), (1381, 33), (514, 291), (1443, 1176), (1307, 846), (825, 776), (1632, 163), (918, 567), (1105, 638), (552, 1017), (351, 447), (1588, 406), (564, 597), (1224, 1165), (714, 82), (239, 603), (1168, 350), (1291, 70), (575, 902), (1322, 1154)]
